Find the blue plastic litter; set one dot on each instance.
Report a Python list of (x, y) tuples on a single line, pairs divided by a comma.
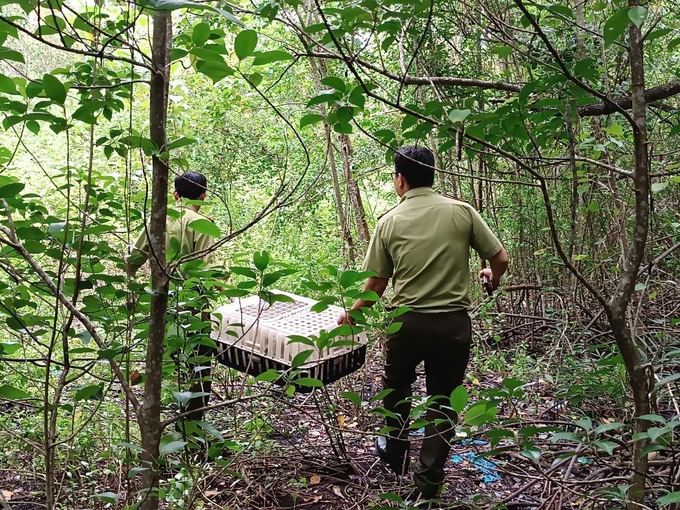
[(471, 442), (486, 467)]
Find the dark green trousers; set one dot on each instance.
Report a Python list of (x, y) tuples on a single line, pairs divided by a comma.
[(442, 341)]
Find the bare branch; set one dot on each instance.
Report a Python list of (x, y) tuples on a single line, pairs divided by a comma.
[(626, 103)]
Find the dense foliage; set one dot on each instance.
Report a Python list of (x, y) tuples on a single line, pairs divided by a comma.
[(557, 121)]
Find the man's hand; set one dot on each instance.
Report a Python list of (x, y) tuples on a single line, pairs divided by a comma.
[(485, 278), (345, 318)]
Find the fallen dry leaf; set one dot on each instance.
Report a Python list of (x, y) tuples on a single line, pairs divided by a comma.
[(6, 495), (338, 491), (315, 479), (211, 494), (341, 420)]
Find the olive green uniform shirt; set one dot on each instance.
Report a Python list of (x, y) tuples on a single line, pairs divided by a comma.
[(180, 240), (424, 245)]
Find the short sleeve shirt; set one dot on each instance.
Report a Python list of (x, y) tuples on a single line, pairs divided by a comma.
[(424, 244), (180, 239)]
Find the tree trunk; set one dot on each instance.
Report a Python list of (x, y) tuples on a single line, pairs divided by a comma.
[(641, 375), (150, 415), (353, 192)]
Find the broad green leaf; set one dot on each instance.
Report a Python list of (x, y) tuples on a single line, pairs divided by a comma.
[(243, 271), (180, 142), (261, 260), (637, 15), (334, 82), (310, 118), (459, 399), (89, 392), (666, 380), (9, 54), (12, 393), (7, 85), (615, 26), (501, 50), (54, 89), (206, 227), (658, 187), (669, 499), (216, 71), (606, 427), (561, 9), (352, 397), (270, 375), (311, 382), (267, 57), (394, 327), (458, 115), (86, 111), (200, 34), (171, 447), (245, 43), (9, 348), (10, 189), (109, 497), (301, 357)]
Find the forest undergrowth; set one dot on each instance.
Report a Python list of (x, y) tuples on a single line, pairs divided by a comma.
[(555, 437)]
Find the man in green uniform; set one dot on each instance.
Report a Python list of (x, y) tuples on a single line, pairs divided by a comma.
[(181, 240), (424, 244)]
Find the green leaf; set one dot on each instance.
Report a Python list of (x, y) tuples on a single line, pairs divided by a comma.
[(301, 357), (312, 382), (171, 447), (7, 85), (216, 71), (458, 115), (8, 54), (658, 187), (109, 497), (352, 397), (245, 43), (334, 82), (12, 393), (501, 50), (310, 118), (86, 111), (561, 9), (243, 271), (179, 142), (325, 96), (206, 227), (615, 26), (394, 327), (459, 399), (270, 375), (9, 188), (349, 278), (93, 392), (669, 499), (54, 89), (200, 34), (9, 348), (637, 15), (261, 260), (666, 380), (267, 57), (606, 427)]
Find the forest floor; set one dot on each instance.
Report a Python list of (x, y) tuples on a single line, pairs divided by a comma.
[(294, 454)]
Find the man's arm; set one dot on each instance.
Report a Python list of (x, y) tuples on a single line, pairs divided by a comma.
[(498, 266), (138, 254), (374, 283)]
